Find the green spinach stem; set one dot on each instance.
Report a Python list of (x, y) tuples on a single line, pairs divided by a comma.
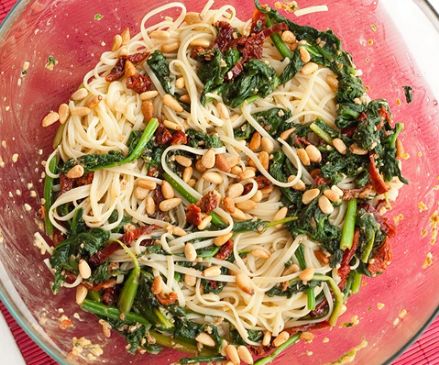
[(348, 230), (48, 195)]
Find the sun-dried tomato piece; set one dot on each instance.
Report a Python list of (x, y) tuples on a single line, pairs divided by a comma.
[(104, 285), (109, 295), (167, 299), (258, 22), (384, 113), (99, 257), (65, 183), (153, 171), (139, 83), (302, 141), (179, 137), (318, 178), (117, 71), (86, 179), (137, 57), (209, 202), (247, 188), (320, 310), (224, 37), (225, 251), (162, 135), (348, 254), (262, 182), (386, 226), (57, 237), (381, 259), (157, 196), (375, 177), (130, 236), (349, 131), (193, 214)]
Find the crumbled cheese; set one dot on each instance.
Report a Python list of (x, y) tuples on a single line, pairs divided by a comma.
[(2, 163), (85, 349), (77, 316), (422, 207), (309, 353), (15, 157), (18, 192), (27, 207), (103, 44), (40, 152), (29, 186), (4, 144), (402, 313), (380, 306), (396, 322), (325, 340), (33, 194), (428, 260), (10, 194), (41, 244)]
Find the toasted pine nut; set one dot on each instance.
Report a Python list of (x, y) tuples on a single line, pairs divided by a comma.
[(192, 18), (235, 190), (233, 160), (245, 355), (288, 36), (356, 150), (281, 339), (189, 251), (80, 111), (170, 47), (339, 145), (304, 55), (307, 274), (281, 214), (247, 174), (179, 83), (229, 204), (232, 354), (221, 240), (205, 43), (146, 184), (84, 269), (79, 94), (303, 156), (130, 69), (244, 283), (300, 186), (168, 204), (187, 173), (238, 215), (260, 253), (178, 231), (307, 336), (212, 271), (337, 190), (192, 182), (204, 222), (205, 339), (81, 294), (285, 134), (185, 99), (267, 145), (117, 42), (309, 68), (313, 153), (321, 256), (213, 177), (309, 195), (325, 205), (159, 34), (50, 118), (190, 280), (255, 142), (150, 206), (264, 158), (75, 172), (246, 205), (221, 163), (126, 36), (331, 195), (266, 339), (94, 101), (167, 190), (169, 101), (199, 166), (140, 193), (149, 95), (147, 109), (258, 196), (157, 285), (400, 151), (183, 160), (63, 112), (208, 159), (236, 170), (332, 82)]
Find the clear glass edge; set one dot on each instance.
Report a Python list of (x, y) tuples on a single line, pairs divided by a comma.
[(15, 11)]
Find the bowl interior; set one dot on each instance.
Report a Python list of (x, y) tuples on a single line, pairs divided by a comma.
[(75, 35)]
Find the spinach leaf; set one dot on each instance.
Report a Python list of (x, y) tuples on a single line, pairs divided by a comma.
[(273, 120), (292, 68), (278, 169), (159, 65), (253, 335), (294, 287), (338, 166), (101, 273), (245, 131), (94, 161), (198, 139)]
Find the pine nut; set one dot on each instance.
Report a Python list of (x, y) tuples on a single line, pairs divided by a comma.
[(313, 153), (157, 285), (266, 340), (75, 172), (169, 101), (258, 196), (183, 160), (255, 142), (332, 82), (285, 134), (146, 184), (235, 190), (168, 204), (63, 112), (212, 271), (288, 36), (170, 47), (246, 205), (179, 83), (140, 193), (84, 269), (213, 177), (204, 222), (303, 156), (81, 294), (245, 355), (187, 174), (189, 252), (161, 35), (229, 204), (117, 42), (304, 55), (192, 182), (339, 145), (232, 354), (267, 145), (221, 163), (126, 36), (260, 253), (307, 274), (244, 283), (299, 186), (400, 151), (281, 339), (238, 215), (337, 190), (79, 94), (247, 174), (167, 190), (192, 18), (309, 195), (205, 339), (321, 256), (233, 160), (190, 280), (236, 170), (49, 119), (205, 43), (178, 231), (147, 109), (80, 111), (309, 68), (221, 240), (150, 206), (325, 205), (185, 99), (307, 336), (94, 101), (147, 95), (331, 195), (130, 69), (208, 159), (356, 150), (281, 214), (264, 158), (199, 166)]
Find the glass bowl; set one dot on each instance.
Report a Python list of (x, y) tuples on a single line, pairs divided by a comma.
[(76, 34)]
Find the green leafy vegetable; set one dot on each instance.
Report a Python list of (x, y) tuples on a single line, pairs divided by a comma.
[(408, 92), (199, 139), (159, 65), (269, 359), (348, 230), (274, 120)]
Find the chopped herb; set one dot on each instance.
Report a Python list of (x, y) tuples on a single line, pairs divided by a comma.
[(51, 62), (98, 16), (408, 92)]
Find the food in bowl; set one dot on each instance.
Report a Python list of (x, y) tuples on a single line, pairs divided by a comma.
[(217, 185)]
